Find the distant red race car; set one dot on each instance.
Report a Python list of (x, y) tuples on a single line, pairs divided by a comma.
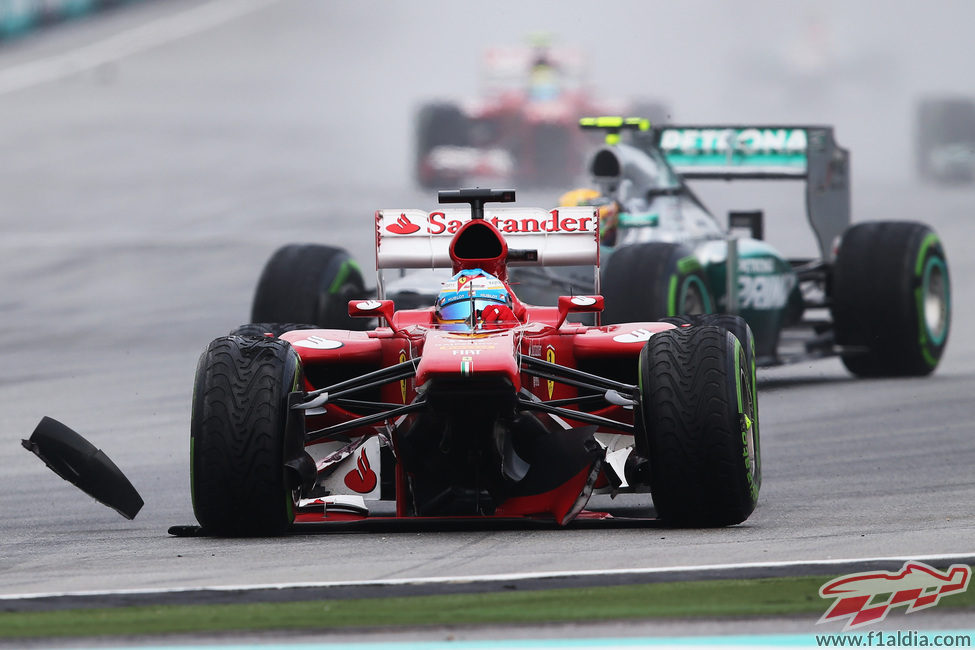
[(479, 405), (524, 125)]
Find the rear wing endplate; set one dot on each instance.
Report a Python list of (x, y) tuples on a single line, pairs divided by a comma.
[(737, 152)]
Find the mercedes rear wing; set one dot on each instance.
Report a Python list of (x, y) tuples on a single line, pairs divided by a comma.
[(782, 152)]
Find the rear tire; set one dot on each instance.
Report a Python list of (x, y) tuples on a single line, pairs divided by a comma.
[(698, 413), (646, 282), (238, 435), (891, 299), (942, 122), (439, 124), (309, 283)]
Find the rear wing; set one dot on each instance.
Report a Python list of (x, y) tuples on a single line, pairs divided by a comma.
[(415, 239), (737, 152)]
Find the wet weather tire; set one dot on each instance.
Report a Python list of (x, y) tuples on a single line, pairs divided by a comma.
[(891, 299), (438, 124), (737, 326), (259, 330), (698, 412), (309, 283), (238, 480), (645, 282)]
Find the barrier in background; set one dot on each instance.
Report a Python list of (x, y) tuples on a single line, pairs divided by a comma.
[(18, 17)]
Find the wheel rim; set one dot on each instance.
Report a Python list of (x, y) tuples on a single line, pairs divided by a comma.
[(935, 300), (693, 298), (748, 417)]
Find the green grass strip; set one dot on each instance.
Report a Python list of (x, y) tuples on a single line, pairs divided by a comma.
[(712, 598)]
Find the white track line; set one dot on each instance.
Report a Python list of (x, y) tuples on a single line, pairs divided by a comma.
[(139, 39), (500, 577)]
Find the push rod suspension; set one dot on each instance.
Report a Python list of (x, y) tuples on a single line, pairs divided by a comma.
[(573, 377), (580, 416), (382, 376), (320, 435)]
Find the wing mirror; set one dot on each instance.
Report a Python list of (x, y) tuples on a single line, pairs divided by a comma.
[(372, 309), (578, 304)]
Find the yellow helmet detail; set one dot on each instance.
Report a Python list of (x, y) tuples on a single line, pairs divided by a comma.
[(581, 196)]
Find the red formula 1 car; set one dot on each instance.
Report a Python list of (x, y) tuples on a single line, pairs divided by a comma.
[(523, 125), (479, 405)]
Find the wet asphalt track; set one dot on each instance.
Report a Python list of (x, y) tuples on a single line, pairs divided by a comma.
[(141, 190)]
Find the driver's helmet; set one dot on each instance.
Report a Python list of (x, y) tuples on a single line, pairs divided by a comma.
[(607, 208), (580, 196), (473, 300), (544, 83)]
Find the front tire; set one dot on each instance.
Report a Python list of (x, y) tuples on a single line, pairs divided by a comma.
[(238, 436), (891, 299), (309, 283), (698, 415), (645, 282), (262, 330)]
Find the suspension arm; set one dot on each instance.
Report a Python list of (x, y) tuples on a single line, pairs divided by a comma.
[(580, 416), (321, 435), (368, 380), (573, 377)]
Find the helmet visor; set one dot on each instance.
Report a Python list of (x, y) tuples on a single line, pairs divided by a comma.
[(459, 310), (456, 316)]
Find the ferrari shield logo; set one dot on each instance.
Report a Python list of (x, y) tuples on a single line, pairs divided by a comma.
[(402, 382), (550, 357)]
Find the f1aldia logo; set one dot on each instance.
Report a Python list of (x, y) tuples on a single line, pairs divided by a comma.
[(866, 598)]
